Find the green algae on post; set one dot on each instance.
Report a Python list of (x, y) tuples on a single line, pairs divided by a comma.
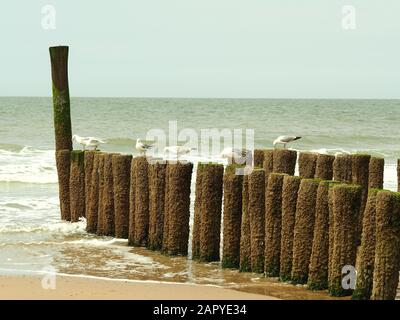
[(211, 211), (232, 184)]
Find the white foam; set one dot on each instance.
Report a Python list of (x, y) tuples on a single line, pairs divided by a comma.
[(55, 227)]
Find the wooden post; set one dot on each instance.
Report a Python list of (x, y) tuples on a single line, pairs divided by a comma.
[(179, 183), (284, 161), (132, 196), (387, 249), (268, 164), (245, 239), (290, 190), (77, 185), (63, 160), (304, 230), (157, 173), (256, 209), (376, 171), (93, 197), (258, 158), (366, 260), (89, 162), (211, 198), (233, 184), (100, 214), (324, 169), (273, 224), (307, 164), (346, 208), (164, 247), (62, 124), (108, 212), (121, 165), (197, 213), (141, 201), (398, 175), (342, 167)]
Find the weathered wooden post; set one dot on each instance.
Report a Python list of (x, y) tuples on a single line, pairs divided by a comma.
[(132, 195), (157, 173), (307, 164), (387, 249), (268, 164), (304, 230), (88, 162), (346, 209), (63, 162), (100, 213), (121, 165), (273, 224), (211, 194), (398, 175), (256, 208), (284, 161), (258, 158), (360, 176), (108, 212), (366, 259), (376, 171), (319, 261), (197, 213), (245, 238), (342, 167), (179, 183), (141, 201), (77, 185), (62, 123), (324, 168), (290, 190), (233, 184), (93, 197)]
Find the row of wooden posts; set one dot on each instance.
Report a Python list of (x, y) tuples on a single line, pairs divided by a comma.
[(303, 229)]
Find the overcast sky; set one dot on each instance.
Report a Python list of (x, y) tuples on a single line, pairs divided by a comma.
[(204, 48)]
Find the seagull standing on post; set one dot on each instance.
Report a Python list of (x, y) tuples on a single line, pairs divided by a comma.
[(285, 140), (87, 141), (142, 147)]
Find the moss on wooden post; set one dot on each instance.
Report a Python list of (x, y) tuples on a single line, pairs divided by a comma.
[(108, 212), (157, 204), (290, 190), (245, 239), (141, 201), (258, 158), (121, 165), (360, 176), (233, 184), (256, 208), (63, 160), (132, 196), (342, 168), (77, 185), (307, 164), (211, 198), (324, 168), (88, 161), (387, 249), (93, 197), (376, 171), (346, 208), (197, 213), (304, 229), (319, 261), (366, 259), (284, 161), (179, 183), (273, 224)]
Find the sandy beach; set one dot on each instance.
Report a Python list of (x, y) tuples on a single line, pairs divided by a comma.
[(79, 288)]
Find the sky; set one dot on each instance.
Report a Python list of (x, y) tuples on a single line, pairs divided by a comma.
[(205, 48)]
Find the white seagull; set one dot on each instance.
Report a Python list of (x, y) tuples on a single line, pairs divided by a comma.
[(178, 150), (87, 141), (234, 154), (142, 147), (285, 140)]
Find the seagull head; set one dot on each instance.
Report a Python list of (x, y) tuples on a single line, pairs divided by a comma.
[(74, 137), (276, 141)]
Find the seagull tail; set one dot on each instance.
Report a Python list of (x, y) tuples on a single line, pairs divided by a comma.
[(297, 138)]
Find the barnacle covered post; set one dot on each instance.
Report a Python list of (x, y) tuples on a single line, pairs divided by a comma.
[(245, 239), (232, 217), (108, 218), (93, 197), (342, 168), (197, 213), (141, 197), (62, 123), (307, 164), (324, 168), (284, 161), (258, 157), (211, 198), (376, 171), (77, 185), (88, 162)]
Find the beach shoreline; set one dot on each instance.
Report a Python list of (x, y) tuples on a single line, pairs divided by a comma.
[(28, 287)]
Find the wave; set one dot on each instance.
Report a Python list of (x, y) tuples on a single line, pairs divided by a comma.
[(27, 165), (65, 228)]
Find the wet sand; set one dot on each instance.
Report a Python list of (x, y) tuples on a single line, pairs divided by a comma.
[(79, 288)]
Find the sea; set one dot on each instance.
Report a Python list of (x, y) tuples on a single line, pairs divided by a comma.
[(33, 239)]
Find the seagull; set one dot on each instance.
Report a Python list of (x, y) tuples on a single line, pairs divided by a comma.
[(234, 153), (285, 140), (142, 147), (87, 141), (178, 150)]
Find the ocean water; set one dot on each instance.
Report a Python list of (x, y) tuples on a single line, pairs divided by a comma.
[(32, 237)]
